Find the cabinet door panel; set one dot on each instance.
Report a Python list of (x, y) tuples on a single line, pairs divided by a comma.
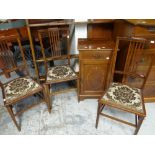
[(93, 76)]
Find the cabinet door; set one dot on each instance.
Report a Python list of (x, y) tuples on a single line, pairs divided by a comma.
[(93, 75)]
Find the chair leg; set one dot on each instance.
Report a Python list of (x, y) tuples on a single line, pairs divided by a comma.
[(98, 114), (13, 117), (136, 120), (140, 121), (78, 84), (47, 96)]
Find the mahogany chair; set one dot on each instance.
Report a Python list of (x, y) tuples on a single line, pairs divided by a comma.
[(21, 87), (127, 94), (58, 42)]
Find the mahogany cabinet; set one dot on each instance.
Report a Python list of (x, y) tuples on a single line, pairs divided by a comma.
[(94, 59)]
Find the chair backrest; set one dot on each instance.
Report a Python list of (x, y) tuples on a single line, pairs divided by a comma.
[(134, 48), (134, 53), (55, 40), (7, 60), (54, 44)]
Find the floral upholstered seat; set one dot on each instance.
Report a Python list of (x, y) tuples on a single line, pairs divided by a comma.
[(124, 96), (58, 73), (20, 87)]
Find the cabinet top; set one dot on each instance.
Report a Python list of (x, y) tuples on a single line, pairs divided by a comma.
[(142, 22), (95, 44)]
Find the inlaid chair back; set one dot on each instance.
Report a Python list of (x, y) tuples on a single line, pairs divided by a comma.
[(134, 53), (9, 64), (55, 40), (6, 55), (54, 44), (134, 48)]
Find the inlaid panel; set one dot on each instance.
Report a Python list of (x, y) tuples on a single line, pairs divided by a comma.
[(93, 76)]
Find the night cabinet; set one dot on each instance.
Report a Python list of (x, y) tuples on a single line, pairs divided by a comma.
[(94, 59)]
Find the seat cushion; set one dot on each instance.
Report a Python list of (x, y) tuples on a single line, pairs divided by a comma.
[(20, 87), (124, 96), (58, 73)]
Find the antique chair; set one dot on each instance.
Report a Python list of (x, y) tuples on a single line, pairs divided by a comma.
[(127, 94), (58, 42), (21, 87)]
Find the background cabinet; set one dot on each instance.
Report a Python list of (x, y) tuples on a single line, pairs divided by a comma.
[(141, 28)]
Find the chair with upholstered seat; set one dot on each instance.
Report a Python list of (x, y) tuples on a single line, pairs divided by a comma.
[(18, 88), (57, 41), (127, 94)]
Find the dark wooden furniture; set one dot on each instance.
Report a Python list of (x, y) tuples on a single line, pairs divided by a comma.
[(141, 28), (130, 53), (100, 28), (21, 87), (54, 40), (36, 24), (123, 95), (21, 31), (94, 59)]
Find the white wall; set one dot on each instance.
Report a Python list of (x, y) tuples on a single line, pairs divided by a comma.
[(80, 32)]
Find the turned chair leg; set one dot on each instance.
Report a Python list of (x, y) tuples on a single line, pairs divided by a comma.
[(13, 117), (140, 121), (47, 97)]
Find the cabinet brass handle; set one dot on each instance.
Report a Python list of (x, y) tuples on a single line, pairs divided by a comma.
[(96, 55)]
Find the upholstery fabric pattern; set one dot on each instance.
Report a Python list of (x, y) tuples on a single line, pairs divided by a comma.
[(60, 73), (19, 87), (124, 96)]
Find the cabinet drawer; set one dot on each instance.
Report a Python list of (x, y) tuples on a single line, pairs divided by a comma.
[(95, 54)]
